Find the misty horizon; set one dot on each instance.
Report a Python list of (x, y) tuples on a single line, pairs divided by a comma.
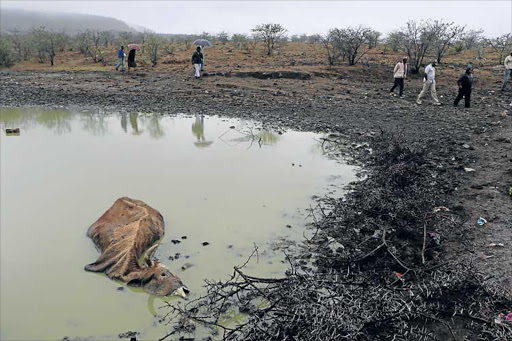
[(298, 17)]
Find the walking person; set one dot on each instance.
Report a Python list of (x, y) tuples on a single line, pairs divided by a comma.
[(120, 56), (508, 69), (400, 73), (196, 61), (465, 81), (429, 81), (202, 58), (131, 59)]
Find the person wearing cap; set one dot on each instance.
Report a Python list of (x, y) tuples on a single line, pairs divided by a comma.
[(399, 73), (196, 61), (465, 81), (508, 69), (429, 81)]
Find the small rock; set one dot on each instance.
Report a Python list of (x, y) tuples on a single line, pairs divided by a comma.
[(175, 241), (120, 288), (183, 237), (205, 243)]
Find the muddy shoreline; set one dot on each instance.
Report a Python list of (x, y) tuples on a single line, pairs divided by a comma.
[(453, 140)]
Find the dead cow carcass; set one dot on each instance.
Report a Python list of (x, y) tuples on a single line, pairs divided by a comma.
[(122, 234)]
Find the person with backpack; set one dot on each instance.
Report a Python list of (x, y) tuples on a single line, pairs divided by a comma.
[(399, 73), (120, 56), (196, 61), (465, 82), (429, 81)]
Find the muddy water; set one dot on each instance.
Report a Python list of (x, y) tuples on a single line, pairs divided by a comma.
[(230, 187)]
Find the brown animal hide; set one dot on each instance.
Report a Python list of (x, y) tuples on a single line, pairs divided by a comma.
[(122, 234)]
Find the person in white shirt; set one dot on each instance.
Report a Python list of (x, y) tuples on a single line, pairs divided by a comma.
[(400, 73), (508, 70), (429, 81)]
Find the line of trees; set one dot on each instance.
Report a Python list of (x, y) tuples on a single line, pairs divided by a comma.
[(416, 39)]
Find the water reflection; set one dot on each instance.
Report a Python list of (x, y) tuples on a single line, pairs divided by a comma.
[(134, 124), (124, 122), (154, 127), (235, 136), (198, 131), (57, 120), (94, 122)]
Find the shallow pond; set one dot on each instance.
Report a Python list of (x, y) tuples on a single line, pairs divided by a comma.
[(222, 181)]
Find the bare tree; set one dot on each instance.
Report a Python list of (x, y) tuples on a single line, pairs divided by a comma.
[(500, 45), (271, 34), (314, 38), (445, 34), (222, 37), (394, 40), (332, 42), (17, 41), (349, 43), (416, 39), (125, 37), (107, 37), (7, 53), (89, 44), (47, 42), (153, 44), (471, 38), (373, 38), (240, 40)]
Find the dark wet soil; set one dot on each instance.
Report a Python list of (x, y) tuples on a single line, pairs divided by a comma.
[(470, 149)]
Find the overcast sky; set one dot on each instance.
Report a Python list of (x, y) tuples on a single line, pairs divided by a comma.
[(310, 17)]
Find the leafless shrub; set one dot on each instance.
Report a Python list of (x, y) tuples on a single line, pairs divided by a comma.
[(271, 34)]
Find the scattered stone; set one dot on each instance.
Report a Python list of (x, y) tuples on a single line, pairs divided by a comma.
[(205, 243), (175, 241)]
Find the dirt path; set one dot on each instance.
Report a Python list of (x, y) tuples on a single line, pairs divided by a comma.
[(346, 103)]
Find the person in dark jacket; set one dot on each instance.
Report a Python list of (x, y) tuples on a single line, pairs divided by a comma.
[(465, 81), (131, 59), (196, 61), (120, 56)]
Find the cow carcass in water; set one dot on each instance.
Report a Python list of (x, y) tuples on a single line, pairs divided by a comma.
[(123, 234)]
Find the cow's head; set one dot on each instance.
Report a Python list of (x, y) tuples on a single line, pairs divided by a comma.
[(163, 282), (156, 279)]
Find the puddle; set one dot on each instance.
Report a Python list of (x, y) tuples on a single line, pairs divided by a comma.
[(222, 181)]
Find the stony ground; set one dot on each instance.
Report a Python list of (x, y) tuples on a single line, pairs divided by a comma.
[(472, 147)]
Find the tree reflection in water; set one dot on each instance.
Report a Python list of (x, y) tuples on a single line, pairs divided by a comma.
[(153, 125), (134, 124), (94, 122), (57, 120)]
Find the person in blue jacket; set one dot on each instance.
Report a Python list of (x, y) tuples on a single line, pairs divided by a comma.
[(120, 56)]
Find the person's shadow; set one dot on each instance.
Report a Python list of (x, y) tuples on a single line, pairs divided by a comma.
[(198, 131)]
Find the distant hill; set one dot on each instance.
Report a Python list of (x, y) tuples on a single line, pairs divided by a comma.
[(69, 23)]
